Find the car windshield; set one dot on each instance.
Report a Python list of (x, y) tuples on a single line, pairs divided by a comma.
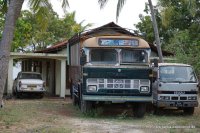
[(30, 76), (133, 56), (177, 74), (103, 56)]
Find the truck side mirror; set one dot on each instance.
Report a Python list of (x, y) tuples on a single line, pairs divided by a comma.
[(83, 58)]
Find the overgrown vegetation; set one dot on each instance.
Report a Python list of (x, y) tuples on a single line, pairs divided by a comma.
[(179, 29), (31, 36), (59, 116)]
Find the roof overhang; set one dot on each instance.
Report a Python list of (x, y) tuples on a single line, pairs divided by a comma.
[(15, 55)]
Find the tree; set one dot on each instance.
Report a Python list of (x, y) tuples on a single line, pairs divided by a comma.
[(13, 11), (120, 5), (29, 36), (179, 26)]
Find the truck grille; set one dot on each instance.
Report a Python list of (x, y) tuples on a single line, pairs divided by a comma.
[(118, 83)]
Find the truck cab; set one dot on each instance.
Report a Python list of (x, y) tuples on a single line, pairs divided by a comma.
[(175, 85)]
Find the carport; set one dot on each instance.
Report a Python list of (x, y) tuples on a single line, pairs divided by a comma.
[(54, 63)]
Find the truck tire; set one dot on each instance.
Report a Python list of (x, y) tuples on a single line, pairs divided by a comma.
[(74, 100), (86, 106), (188, 110), (139, 110)]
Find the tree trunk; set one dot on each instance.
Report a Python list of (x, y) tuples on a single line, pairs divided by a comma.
[(12, 15), (155, 27)]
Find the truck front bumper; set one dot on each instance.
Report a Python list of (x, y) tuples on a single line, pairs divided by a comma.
[(177, 103), (118, 98)]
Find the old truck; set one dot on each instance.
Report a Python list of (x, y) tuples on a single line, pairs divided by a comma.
[(175, 85), (110, 68)]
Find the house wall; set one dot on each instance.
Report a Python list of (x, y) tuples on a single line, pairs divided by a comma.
[(63, 51), (57, 75)]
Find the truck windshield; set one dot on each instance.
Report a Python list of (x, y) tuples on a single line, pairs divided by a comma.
[(133, 56), (103, 56), (176, 74)]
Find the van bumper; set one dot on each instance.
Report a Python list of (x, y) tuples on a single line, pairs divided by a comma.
[(177, 103)]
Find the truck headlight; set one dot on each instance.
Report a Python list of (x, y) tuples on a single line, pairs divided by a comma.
[(144, 89), (164, 98), (92, 88)]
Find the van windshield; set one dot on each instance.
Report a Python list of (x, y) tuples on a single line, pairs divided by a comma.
[(177, 74)]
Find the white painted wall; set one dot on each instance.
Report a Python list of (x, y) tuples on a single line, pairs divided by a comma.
[(58, 78), (63, 51)]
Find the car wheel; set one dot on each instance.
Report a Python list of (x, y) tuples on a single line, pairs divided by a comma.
[(41, 95), (18, 95)]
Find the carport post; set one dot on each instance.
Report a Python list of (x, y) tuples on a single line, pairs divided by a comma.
[(10, 76), (63, 78)]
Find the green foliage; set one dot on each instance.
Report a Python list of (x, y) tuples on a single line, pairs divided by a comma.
[(186, 50), (30, 36), (3, 6), (178, 22)]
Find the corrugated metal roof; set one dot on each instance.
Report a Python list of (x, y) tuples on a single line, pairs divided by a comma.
[(56, 47)]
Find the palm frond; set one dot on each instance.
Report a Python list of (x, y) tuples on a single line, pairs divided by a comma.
[(102, 3), (65, 4), (120, 5)]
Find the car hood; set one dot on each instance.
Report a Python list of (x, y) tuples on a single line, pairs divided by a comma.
[(31, 81)]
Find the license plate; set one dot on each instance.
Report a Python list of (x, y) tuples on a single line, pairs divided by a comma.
[(179, 104), (179, 92)]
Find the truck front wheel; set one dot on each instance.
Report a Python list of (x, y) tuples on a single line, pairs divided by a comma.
[(188, 110), (86, 106), (139, 110)]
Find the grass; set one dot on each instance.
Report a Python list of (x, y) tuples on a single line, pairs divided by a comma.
[(32, 114), (52, 116)]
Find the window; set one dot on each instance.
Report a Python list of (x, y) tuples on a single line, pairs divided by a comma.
[(177, 74), (103, 55), (30, 76), (133, 56)]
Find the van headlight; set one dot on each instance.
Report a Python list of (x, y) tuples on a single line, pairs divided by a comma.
[(144, 89), (164, 98), (92, 88), (192, 98)]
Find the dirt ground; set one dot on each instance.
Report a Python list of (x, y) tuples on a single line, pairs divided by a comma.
[(53, 115)]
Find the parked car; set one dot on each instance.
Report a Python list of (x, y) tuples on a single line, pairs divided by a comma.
[(29, 83)]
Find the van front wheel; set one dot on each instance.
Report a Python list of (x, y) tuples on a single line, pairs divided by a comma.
[(188, 110)]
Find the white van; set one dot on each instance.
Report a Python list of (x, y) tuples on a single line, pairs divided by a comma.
[(175, 85)]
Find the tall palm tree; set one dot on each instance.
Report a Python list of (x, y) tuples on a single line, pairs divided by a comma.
[(120, 5), (12, 13)]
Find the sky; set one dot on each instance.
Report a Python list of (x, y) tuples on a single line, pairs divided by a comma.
[(90, 12)]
